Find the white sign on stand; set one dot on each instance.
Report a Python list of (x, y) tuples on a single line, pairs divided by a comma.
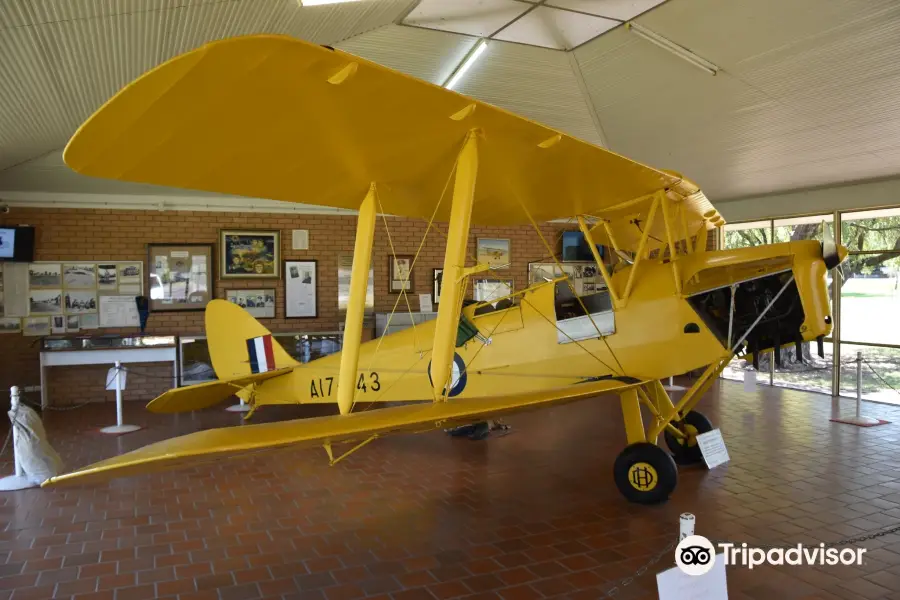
[(713, 448), (111, 379), (750, 381), (675, 584), (425, 304)]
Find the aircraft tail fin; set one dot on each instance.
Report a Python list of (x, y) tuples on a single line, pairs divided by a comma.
[(239, 345)]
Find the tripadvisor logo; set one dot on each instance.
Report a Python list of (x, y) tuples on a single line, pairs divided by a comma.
[(696, 555)]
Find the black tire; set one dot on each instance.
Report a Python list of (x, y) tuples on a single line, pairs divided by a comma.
[(687, 452), (645, 473)]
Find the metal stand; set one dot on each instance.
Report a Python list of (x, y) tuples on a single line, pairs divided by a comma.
[(686, 526), (672, 387), (119, 427), (239, 408), (18, 481), (860, 420)]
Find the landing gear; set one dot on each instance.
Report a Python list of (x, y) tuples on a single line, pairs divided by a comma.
[(685, 450), (645, 473)]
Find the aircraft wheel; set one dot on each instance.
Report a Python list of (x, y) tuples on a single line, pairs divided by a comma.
[(687, 451), (645, 473)]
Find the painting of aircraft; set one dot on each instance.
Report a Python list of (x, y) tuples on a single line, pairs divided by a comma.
[(347, 133)]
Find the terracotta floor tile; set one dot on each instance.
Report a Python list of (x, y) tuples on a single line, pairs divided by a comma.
[(533, 515)]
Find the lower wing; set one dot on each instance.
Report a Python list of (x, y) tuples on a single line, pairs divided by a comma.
[(210, 445), (204, 395)]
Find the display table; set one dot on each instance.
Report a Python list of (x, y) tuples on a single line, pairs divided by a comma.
[(106, 350)]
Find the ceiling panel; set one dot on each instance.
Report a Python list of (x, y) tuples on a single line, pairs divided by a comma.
[(31, 122), (553, 28), (428, 55), (333, 23), (783, 112), (621, 10), (472, 17), (536, 83)]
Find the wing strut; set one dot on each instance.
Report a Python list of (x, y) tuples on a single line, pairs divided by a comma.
[(454, 264), (356, 303)]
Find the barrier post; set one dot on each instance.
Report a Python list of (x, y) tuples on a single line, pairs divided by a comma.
[(859, 419), (119, 427), (17, 481), (686, 528)]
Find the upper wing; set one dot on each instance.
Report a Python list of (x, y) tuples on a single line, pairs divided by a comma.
[(204, 446), (278, 118)]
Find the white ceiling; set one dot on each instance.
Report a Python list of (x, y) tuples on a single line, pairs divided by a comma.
[(808, 93)]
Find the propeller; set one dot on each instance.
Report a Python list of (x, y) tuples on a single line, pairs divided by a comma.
[(830, 253)]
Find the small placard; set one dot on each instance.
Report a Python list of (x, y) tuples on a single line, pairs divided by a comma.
[(713, 448), (300, 239), (425, 303), (675, 584), (111, 378)]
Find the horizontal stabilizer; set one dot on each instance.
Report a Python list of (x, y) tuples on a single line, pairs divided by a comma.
[(212, 444), (204, 395)]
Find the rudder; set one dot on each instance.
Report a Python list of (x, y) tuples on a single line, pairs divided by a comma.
[(229, 331)]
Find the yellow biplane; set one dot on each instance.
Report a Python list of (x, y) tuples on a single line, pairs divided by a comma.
[(274, 117)]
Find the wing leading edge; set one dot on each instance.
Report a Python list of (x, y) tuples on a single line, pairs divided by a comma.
[(210, 445), (275, 117)]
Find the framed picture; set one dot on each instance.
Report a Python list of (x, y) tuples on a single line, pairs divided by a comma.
[(494, 252), (44, 275), (437, 278), (80, 276), (180, 276), (491, 290), (301, 281), (345, 268), (45, 302), (36, 326), (259, 303), (401, 277), (247, 254), (10, 325), (78, 302)]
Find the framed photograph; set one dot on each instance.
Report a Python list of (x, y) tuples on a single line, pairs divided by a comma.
[(10, 325), (45, 302), (301, 300), (247, 254), (437, 278), (80, 276), (36, 326), (179, 276), (345, 268), (44, 275), (58, 324), (401, 277), (107, 277), (79, 302), (491, 290), (259, 303), (493, 252)]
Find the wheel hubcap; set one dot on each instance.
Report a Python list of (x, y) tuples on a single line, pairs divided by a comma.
[(643, 477)]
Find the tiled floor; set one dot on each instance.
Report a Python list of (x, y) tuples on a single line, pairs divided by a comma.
[(533, 514)]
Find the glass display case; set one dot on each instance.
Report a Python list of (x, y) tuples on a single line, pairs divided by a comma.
[(196, 365), (56, 343)]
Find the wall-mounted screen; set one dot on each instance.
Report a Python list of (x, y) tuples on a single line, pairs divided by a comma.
[(575, 247), (17, 244)]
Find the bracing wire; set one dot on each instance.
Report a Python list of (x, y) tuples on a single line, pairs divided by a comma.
[(569, 283), (429, 227)]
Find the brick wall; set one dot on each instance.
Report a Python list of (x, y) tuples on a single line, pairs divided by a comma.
[(96, 235)]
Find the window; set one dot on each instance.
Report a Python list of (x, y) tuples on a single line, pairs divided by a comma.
[(806, 370), (744, 235), (573, 323)]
